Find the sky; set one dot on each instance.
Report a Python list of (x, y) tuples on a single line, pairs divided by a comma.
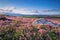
[(31, 7)]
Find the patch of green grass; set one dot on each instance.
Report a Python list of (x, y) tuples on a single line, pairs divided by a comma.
[(52, 35)]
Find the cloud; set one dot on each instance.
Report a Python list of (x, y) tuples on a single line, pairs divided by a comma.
[(52, 10), (30, 11), (19, 11), (7, 9)]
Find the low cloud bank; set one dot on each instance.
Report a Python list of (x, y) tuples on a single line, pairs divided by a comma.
[(30, 12)]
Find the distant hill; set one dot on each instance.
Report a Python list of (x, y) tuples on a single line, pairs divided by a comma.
[(34, 16)]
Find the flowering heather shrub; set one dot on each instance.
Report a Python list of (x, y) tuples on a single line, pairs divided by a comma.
[(26, 34), (20, 30), (8, 35)]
